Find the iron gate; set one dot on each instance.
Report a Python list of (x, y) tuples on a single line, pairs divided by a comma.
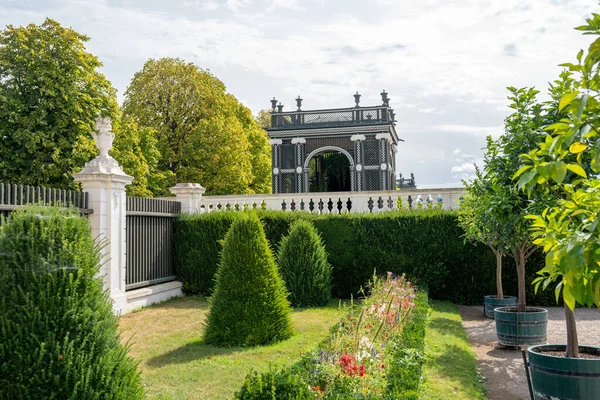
[(149, 225)]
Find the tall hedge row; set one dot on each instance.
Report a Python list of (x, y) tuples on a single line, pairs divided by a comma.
[(427, 245)]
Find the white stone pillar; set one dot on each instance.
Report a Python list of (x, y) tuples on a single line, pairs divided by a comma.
[(104, 181), (190, 197)]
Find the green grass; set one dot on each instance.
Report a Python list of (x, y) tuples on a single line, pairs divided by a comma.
[(176, 364), (450, 370)]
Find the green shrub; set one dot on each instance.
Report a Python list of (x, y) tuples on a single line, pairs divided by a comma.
[(275, 385), (303, 265), (58, 334), (249, 306), (427, 245)]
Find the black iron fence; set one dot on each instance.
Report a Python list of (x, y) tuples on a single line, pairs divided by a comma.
[(149, 241), (13, 196), (334, 117)]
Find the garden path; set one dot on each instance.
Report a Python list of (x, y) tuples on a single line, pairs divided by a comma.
[(503, 369)]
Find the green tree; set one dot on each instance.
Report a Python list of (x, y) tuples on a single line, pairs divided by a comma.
[(135, 150), (50, 95), (567, 163), (203, 134), (507, 205), (479, 224), (260, 151)]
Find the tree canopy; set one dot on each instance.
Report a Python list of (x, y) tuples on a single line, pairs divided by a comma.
[(203, 134), (50, 95)]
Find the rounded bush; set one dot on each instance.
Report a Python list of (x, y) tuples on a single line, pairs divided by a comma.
[(58, 334), (303, 265), (249, 305)]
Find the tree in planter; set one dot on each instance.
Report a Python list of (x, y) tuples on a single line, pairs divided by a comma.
[(480, 225), (58, 334), (249, 305), (568, 162), (505, 205)]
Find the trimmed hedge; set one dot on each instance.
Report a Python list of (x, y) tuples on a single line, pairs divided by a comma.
[(303, 266), (250, 305), (427, 245), (58, 335)]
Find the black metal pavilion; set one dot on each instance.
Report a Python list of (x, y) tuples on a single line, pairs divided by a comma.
[(331, 150)]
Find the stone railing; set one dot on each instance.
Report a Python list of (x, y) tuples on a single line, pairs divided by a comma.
[(338, 202)]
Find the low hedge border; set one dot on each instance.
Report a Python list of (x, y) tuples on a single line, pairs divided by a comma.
[(428, 246)]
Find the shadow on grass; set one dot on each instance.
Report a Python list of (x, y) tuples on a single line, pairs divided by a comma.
[(197, 350), (447, 326)]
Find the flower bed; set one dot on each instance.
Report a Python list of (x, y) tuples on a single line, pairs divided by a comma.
[(374, 352)]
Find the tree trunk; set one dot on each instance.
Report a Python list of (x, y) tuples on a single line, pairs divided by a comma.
[(499, 292), (572, 341), (519, 255)]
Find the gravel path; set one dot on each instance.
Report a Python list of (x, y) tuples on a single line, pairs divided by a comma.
[(503, 369)]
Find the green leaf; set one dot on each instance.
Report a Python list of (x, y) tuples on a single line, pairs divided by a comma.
[(567, 99), (577, 147), (568, 297), (576, 168), (559, 171), (521, 170), (526, 178)]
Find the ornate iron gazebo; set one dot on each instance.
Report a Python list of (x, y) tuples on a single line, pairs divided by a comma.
[(342, 149)]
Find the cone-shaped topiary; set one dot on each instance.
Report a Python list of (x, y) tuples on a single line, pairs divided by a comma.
[(303, 265), (249, 305), (58, 335)]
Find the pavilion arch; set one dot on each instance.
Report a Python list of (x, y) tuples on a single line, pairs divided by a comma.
[(325, 149)]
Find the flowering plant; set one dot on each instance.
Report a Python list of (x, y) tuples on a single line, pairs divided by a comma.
[(353, 359)]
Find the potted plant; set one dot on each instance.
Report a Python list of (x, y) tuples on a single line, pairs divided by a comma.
[(520, 325), (482, 227), (567, 163)]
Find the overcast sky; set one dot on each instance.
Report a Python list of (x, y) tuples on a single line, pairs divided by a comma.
[(444, 63)]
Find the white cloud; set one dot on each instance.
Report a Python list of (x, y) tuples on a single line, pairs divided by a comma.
[(444, 63)]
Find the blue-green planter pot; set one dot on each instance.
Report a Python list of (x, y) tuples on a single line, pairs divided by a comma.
[(555, 377), (516, 329), (492, 302)]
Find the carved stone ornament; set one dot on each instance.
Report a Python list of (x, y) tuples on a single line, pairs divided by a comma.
[(103, 163)]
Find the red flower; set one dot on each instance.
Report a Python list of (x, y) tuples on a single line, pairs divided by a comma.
[(362, 370)]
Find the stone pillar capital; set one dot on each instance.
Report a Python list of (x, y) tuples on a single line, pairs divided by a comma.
[(189, 195), (298, 141), (357, 138), (274, 142)]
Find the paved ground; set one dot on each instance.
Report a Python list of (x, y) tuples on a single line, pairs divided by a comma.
[(503, 369)]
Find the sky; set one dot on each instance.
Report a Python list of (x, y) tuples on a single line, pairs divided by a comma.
[(445, 63)]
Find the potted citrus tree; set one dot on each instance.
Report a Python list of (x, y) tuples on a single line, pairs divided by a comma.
[(567, 162), (520, 325), (481, 226)]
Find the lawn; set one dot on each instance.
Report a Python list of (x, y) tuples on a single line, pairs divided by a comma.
[(176, 364), (450, 370)]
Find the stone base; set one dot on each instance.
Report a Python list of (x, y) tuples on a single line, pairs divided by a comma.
[(143, 297)]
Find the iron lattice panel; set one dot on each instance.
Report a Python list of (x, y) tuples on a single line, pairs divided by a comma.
[(371, 180), (371, 152), (288, 156), (327, 118), (341, 142)]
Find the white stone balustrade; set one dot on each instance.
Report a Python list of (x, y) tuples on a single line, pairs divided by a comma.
[(377, 201)]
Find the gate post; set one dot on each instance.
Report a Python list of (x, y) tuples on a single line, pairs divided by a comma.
[(190, 197), (104, 181)]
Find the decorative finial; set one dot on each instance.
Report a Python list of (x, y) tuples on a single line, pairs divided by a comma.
[(273, 105), (103, 135), (299, 103), (280, 107), (384, 98), (357, 99)]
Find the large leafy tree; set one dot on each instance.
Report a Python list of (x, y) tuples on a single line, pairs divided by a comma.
[(203, 134), (50, 94)]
